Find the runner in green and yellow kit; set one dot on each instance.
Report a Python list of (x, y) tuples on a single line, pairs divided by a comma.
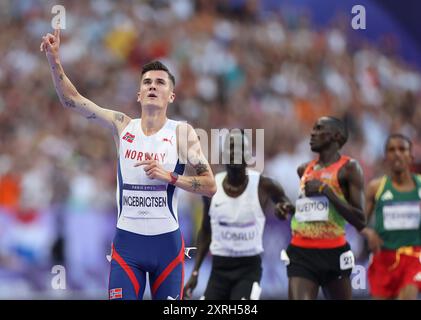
[(395, 270)]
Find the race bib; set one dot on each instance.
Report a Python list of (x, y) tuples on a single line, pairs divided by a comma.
[(238, 237), (144, 201), (402, 216), (347, 260), (312, 209)]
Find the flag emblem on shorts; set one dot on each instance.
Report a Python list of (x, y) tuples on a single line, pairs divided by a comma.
[(116, 293), (128, 137)]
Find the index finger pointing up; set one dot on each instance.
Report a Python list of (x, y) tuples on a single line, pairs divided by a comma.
[(57, 32)]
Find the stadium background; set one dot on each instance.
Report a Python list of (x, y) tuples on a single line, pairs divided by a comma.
[(271, 64)]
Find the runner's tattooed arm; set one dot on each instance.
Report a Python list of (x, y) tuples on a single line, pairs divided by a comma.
[(190, 152), (69, 96)]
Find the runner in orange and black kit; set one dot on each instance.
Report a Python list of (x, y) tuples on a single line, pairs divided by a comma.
[(331, 193), (395, 270)]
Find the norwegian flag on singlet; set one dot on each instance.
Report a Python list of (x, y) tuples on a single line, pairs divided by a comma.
[(128, 137)]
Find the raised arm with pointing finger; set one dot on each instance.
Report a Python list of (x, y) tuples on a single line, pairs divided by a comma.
[(188, 143), (69, 96)]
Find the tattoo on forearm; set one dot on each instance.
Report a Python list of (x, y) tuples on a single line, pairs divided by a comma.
[(201, 168), (119, 117), (60, 77), (70, 103), (195, 184), (92, 116)]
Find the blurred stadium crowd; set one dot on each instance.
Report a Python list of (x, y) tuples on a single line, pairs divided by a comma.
[(235, 66)]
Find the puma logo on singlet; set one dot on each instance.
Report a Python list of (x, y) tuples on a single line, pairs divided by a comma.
[(168, 140)]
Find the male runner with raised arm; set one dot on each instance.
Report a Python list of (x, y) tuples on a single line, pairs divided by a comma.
[(152, 152)]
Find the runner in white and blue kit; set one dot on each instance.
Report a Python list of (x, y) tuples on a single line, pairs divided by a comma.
[(233, 224), (148, 237), (152, 153)]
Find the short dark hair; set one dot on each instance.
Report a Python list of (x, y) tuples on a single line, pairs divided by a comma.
[(158, 65), (397, 136), (340, 127)]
